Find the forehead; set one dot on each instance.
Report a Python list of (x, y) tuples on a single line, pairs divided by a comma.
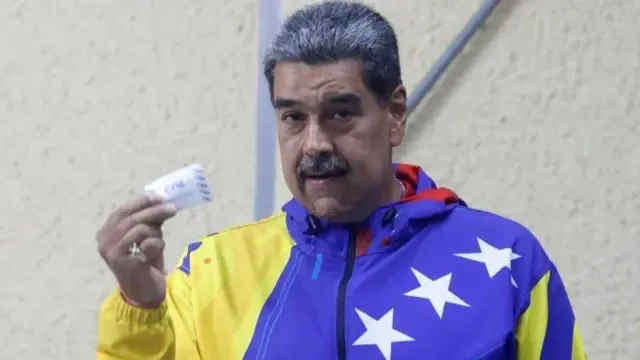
[(304, 82)]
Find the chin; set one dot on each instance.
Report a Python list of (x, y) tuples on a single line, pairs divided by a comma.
[(328, 208)]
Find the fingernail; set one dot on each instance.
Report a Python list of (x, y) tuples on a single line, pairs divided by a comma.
[(154, 197), (170, 207)]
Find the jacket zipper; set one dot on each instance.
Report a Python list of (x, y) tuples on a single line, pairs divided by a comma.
[(342, 294)]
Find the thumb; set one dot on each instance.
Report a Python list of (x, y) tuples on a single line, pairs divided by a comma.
[(153, 249)]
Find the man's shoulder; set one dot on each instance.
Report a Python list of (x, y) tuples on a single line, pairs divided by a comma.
[(274, 226), (491, 225), (271, 226), (275, 223), (238, 239), (493, 235)]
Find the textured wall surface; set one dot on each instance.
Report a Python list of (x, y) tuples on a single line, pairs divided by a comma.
[(539, 120)]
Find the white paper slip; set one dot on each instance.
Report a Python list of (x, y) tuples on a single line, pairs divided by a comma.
[(185, 188)]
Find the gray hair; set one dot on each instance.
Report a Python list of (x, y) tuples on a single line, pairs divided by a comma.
[(338, 30)]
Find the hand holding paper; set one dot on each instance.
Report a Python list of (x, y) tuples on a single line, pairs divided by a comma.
[(185, 188)]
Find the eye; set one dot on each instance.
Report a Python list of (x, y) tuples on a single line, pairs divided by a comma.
[(342, 115), (293, 117)]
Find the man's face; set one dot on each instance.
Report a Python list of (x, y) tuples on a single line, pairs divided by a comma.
[(335, 138)]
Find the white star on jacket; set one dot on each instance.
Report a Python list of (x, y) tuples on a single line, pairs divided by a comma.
[(436, 291), (494, 259), (380, 333)]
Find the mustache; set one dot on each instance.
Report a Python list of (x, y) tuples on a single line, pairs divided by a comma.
[(324, 164)]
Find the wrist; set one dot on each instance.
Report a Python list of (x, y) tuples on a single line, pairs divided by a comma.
[(154, 304)]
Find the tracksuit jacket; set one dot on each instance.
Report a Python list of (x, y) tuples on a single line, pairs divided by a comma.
[(427, 277)]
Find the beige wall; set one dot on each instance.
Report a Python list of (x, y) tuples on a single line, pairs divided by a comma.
[(539, 120)]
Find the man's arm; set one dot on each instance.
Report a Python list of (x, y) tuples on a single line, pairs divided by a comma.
[(546, 328), (163, 333)]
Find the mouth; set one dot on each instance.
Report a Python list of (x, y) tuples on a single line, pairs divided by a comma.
[(321, 178)]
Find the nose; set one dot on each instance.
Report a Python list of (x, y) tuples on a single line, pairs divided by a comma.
[(318, 139)]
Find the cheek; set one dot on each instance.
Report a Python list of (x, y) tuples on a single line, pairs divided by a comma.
[(366, 141), (362, 159), (368, 152), (288, 154)]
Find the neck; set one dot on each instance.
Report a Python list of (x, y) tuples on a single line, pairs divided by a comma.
[(391, 191)]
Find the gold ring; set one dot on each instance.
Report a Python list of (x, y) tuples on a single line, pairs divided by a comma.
[(136, 253)]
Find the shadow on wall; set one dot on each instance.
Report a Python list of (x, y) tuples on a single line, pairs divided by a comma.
[(431, 105)]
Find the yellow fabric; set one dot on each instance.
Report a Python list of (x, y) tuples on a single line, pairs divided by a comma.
[(209, 314), (577, 348), (532, 329), (532, 326)]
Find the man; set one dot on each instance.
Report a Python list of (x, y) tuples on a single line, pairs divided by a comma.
[(370, 260)]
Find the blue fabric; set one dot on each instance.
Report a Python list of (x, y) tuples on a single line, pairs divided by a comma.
[(449, 282)]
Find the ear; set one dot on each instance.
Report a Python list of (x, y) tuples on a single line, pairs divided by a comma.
[(398, 112)]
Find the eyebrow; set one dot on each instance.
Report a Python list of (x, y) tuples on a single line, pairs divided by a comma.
[(280, 103), (345, 98)]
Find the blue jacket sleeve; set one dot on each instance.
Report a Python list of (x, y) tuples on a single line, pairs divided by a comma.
[(546, 327)]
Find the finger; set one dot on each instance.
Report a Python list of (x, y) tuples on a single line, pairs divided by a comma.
[(152, 248), (137, 235), (156, 214), (132, 207)]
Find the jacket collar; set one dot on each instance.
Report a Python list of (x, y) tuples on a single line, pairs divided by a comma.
[(387, 228)]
